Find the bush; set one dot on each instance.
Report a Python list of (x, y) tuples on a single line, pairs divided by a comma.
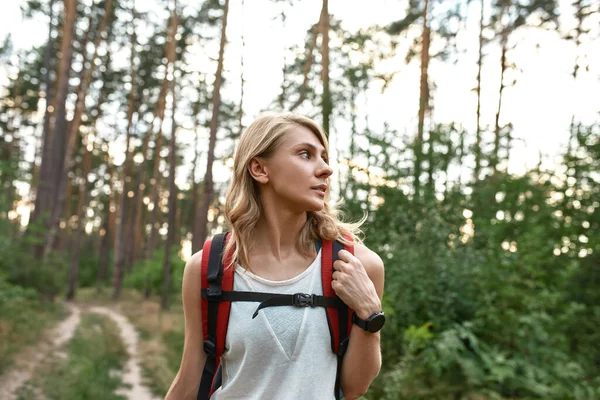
[(152, 271), (19, 266), (22, 319)]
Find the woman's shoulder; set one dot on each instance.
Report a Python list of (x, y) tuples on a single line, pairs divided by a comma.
[(193, 268), (370, 260)]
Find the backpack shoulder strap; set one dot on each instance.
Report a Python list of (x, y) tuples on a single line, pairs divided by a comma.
[(215, 313), (338, 319)]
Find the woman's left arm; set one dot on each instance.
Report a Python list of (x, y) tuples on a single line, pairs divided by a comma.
[(358, 280)]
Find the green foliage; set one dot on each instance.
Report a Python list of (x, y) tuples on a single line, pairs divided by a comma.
[(479, 303), (95, 351), (151, 271), (88, 268), (458, 361), (173, 340), (22, 319), (20, 267)]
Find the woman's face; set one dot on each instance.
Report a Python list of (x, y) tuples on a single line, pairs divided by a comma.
[(297, 173)]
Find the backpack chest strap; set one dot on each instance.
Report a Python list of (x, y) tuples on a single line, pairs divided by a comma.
[(273, 299)]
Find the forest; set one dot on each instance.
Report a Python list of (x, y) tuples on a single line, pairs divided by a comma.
[(117, 133)]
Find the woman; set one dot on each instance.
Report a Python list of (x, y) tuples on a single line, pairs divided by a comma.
[(277, 208)]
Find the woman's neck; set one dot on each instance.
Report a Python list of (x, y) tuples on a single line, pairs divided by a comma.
[(276, 233)]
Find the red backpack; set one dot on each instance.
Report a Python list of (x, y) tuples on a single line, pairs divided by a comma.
[(217, 295)]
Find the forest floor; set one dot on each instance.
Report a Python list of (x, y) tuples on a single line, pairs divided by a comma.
[(19, 381)]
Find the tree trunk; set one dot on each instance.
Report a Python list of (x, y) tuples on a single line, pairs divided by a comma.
[(504, 43), (61, 241), (120, 240), (447, 161), (200, 234), (10, 153), (60, 124), (351, 194), (44, 185), (327, 106), (164, 302), (423, 98), (461, 153), (155, 182), (156, 178), (138, 208), (580, 16), (241, 109), (138, 211), (308, 64), (478, 128), (105, 244), (194, 184), (73, 130), (80, 229), (283, 95), (430, 189), (107, 226), (87, 79)]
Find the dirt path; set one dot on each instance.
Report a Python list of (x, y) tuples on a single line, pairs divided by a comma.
[(132, 373), (28, 359)]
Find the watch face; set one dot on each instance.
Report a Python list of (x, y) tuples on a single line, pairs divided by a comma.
[(376, 323)]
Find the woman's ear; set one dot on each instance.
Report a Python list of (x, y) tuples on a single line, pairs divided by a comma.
[(257, 169)]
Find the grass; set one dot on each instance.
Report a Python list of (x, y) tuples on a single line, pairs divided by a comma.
[(90, 368), (22, 323), (161, 333)]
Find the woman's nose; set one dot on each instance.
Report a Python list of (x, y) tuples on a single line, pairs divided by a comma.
[(325, 169)]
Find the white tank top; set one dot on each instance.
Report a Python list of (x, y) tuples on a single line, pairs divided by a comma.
[(285, 352)]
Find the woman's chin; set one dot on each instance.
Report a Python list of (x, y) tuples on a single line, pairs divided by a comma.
[(316, 206)]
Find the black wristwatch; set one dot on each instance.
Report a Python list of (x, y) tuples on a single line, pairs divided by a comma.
[(372, 324)]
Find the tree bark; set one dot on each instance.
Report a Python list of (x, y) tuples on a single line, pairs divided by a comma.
[(44, 186), (105, 243), (327, 106), (138, 211), (423, 98), (200, 234), (80, 230), (120, 240), (461, 153), (160, 113), (73, 130), (283, 95), (138, 207), (107, 226), (580, 16), (164, 303), (166, 290), (241, 109), (504, 44), (478, 128), (61, 241), (430, 189), (309, 60), (60, 125)]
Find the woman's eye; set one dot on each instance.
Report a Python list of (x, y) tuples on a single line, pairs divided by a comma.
[(305, 153)]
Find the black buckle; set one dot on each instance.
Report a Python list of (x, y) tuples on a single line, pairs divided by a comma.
[(214, 293), (210, 348), (343, 347), (304, 300)]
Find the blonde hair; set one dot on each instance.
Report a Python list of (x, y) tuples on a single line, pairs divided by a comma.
[(243, 206)]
